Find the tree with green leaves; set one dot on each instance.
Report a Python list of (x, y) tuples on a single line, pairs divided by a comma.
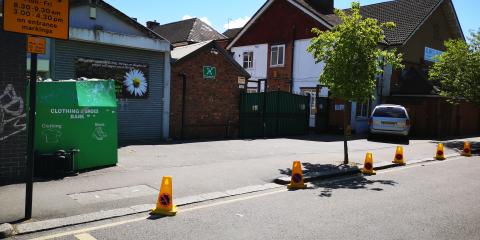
[(457, 72), (353, 57)]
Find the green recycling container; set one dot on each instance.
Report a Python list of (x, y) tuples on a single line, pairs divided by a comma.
[(80, 115)]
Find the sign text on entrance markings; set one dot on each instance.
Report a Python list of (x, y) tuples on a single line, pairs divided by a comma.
[(47, 18)]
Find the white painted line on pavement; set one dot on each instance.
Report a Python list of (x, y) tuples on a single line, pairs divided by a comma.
[(85, 236), (90, 229)]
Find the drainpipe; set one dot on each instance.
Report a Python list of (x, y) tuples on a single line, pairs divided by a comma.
[(184, 93), (264, 108), (294, 30), (381, 82), (166, 96)]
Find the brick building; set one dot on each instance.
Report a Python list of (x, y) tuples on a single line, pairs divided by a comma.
[(13, 135), (211, 107), (274, 47)]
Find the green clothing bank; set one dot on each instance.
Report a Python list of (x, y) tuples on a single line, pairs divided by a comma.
[(80, 116)]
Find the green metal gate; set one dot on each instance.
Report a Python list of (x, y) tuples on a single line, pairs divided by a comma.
[(322, 115), (273, 114)]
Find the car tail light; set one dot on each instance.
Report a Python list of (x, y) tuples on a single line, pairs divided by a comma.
[(407, 123), (370, 122)]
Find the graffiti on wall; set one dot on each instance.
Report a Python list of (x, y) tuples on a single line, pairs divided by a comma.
[(12, 113)]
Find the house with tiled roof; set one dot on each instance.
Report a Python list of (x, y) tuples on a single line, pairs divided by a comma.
[(205, 106), (186, 32), (272, 46), (201, 106), (232, 32)]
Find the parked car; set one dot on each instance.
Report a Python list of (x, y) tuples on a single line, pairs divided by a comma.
[(389, 120)]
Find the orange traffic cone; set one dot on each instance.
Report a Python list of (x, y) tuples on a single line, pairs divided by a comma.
[(297, 177), (398, 159), (368, 165), (467, 149), (440, 155), (165, 199)]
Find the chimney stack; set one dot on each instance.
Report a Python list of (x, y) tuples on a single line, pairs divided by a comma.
[(323, 6), (152, 24)]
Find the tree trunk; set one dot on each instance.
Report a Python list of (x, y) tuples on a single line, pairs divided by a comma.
[(345, 135)]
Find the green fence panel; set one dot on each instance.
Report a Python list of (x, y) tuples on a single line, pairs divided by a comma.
[(273, 114)]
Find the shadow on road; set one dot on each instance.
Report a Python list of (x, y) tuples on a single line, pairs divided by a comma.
[(354, 183), (458, 145), (329, 185), (389, 139), (326, 137), (155, 217), (309, 168)]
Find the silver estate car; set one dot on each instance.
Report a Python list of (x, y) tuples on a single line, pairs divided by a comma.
[(389, 119)]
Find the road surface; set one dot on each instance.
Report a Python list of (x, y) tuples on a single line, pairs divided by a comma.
[(434, 200)]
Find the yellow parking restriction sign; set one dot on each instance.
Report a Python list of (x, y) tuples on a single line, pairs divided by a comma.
[(36, 45), (46, 18)]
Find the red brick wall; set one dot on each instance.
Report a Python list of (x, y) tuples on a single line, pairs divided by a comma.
[(280, 78), (223, 43), (212, 106), (276, 25), (281, 23), (13, 137)]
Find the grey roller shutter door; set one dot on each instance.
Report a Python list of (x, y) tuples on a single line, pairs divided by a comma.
[(138, 120)]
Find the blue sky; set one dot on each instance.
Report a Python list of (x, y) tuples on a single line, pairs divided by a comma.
[(223, 13)]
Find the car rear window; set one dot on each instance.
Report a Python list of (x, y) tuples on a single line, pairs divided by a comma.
[(391, 112)]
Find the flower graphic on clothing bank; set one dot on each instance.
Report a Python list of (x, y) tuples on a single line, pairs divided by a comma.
[(135, 82)]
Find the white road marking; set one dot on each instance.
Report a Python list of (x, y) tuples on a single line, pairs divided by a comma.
[(90, 229), (85, 236)]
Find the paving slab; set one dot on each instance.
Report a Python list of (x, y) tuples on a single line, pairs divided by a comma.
[(113, 194)]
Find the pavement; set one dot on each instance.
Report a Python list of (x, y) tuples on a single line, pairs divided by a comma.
[(419, 201), (198, 168)]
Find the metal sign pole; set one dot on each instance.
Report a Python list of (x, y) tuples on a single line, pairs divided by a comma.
[(31, 136), (23, 18)]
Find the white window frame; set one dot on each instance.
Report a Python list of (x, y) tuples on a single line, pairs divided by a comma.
[(249, 60), (252, 90), (364, 110), (277, 47), (312, 93)]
